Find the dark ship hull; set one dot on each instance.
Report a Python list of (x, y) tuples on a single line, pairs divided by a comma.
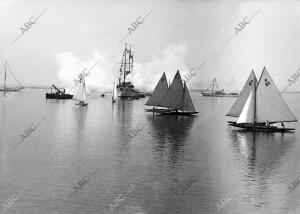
[(58, 96), (259, 127), (126, 90)]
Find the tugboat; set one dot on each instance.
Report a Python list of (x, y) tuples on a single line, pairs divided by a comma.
[(61, 95), (260, 105), (126, 89)]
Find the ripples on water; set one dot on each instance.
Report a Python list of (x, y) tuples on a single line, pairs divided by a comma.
[(173, 165)]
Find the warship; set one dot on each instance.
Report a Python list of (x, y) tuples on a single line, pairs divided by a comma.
[(125, 89)]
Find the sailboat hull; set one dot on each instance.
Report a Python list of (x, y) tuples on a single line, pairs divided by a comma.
[(259, 127), (10, 89), (157, 110), (181, 113), (81, 104)]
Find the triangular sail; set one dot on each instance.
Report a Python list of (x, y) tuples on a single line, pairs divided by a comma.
[(187, 103), (78, 95), (247, 115), (114, 96), (10, 86), (270, 105), (249, 86), (159, 91), (174, 94)]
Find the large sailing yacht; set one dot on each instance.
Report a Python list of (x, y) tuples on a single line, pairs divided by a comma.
[(177, 98), (126, 89), (10, 89), (260, 105)]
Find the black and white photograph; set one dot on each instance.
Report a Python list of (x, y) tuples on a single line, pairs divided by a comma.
[(149, 107)]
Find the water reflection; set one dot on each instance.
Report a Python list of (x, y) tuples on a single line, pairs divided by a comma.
[(260, 156), (170, 133)]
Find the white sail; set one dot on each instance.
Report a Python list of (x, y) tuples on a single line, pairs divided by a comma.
[(114, 96), (79, 91), (247, 115), (249, 86), (270, 105)]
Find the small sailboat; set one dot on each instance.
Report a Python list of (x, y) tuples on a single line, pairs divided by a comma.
[(232, 90), (80, 93), (158, 93), (114, 95), (177, 98), (10, 89), (260, 105)]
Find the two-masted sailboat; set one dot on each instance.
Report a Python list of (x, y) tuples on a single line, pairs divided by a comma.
[(80, 91), (10, 89), (176, 98), (260, 105), (126, 89)]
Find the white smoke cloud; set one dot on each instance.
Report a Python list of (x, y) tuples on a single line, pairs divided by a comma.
[(99, 77), (144, 76)]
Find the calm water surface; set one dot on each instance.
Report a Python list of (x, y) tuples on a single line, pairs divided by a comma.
[(79, 160)]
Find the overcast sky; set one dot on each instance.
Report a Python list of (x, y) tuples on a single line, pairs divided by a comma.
[(74, 34)]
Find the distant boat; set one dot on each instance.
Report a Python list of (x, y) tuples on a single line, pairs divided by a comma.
[(102, 95), (260, 105), (10, 89), (159, 92), (61, 95), (232, 90), (80, 92), (213, 90), (114, 95), (126, 89), (177, 98)]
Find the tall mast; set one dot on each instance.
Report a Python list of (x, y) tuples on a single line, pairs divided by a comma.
[(125, 60), (129, 55), (254, 100), (5, 75)]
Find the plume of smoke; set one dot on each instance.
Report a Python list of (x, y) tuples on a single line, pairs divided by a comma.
[(146, 75), (100, 77)]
